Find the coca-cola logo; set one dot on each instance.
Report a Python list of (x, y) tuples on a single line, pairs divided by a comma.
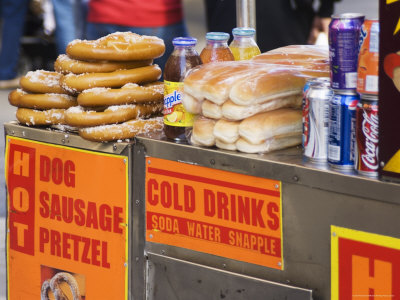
[(370, 131)]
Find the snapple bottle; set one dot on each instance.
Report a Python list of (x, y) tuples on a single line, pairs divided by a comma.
[(183, 58), (244, 46)]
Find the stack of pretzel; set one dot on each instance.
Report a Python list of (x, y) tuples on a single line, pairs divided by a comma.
[(253, 106), (111, 84)]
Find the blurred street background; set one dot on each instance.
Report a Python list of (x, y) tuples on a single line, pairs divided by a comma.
[(195, 19)]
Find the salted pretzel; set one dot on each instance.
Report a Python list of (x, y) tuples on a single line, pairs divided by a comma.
[(20, 98), (126, 130), (77, 83), (41, 81), (77, 116), (119, 46), (33, 117), (53, 286), (129, 93), (64, 64)]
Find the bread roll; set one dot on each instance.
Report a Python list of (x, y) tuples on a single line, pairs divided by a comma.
[(226, 131), (202, 133), (217, 89), (211, 110), (191, 104), (296, 52), (226, 146), (232, 111), (275, 143), (263, 87), (263, 126)]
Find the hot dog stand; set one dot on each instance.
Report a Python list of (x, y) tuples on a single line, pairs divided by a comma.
[(256, 226)]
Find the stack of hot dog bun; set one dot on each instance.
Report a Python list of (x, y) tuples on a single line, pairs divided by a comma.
[(252, 106), (114, 84)]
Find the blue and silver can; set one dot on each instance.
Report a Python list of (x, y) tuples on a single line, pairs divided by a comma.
[(342, 129), (344, 45)]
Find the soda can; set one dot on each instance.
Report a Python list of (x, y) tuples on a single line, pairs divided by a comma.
[(313, 80), (344, 37), (368, 58), (342, 129), (315, 121), (367, 136)]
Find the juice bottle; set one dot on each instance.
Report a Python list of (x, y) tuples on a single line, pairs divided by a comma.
[(216, 48), (243, 45), (183, 58)]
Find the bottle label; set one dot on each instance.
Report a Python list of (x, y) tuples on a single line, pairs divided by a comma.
[(174, 112)]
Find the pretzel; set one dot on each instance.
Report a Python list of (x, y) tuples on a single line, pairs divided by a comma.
[(77, 83), (31, 117), (119, 46), (65, 65), (129, 93), (53, 286), (41, 81), (122, 131), (20, 98), (76, 116)]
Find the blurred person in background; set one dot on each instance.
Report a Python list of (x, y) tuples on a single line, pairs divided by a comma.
[(161, 18), (278, 22), (70, 17), (13, 13)]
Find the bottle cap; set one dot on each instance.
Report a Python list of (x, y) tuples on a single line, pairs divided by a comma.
[(184, 41), (243, 31), (217, 36)]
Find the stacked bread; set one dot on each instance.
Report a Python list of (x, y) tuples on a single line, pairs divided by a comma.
[(113, 82), (252, 106), (40, 99)]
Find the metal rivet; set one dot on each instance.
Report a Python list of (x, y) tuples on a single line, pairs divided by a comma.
[(295, 178), (23, 133), (224, 266), (125, 161), (115, 147), (382, 163), (212, 162), (279, 263), (276, 186), (66, 136), (334, 233), (137, 258), (137, 202), (125, 264), (151, 236), (63, 141), (149, 161), (162, 252)]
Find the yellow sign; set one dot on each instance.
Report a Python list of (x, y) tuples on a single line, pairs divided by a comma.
[(364, 266), (67, 222), (213, 211)]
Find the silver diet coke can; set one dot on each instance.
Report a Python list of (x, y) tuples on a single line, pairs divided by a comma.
[(315, 121)]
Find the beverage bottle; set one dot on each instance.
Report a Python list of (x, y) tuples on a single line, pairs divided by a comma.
[(243, 45), (184, 57), (216, 48)]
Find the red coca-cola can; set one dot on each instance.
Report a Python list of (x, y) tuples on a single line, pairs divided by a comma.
[(367, 126)]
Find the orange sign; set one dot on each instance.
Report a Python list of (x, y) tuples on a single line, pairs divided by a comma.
[(213, 211), (67, 222), (365, 266)]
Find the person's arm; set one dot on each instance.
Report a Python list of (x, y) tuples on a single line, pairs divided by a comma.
[(321, 20)]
